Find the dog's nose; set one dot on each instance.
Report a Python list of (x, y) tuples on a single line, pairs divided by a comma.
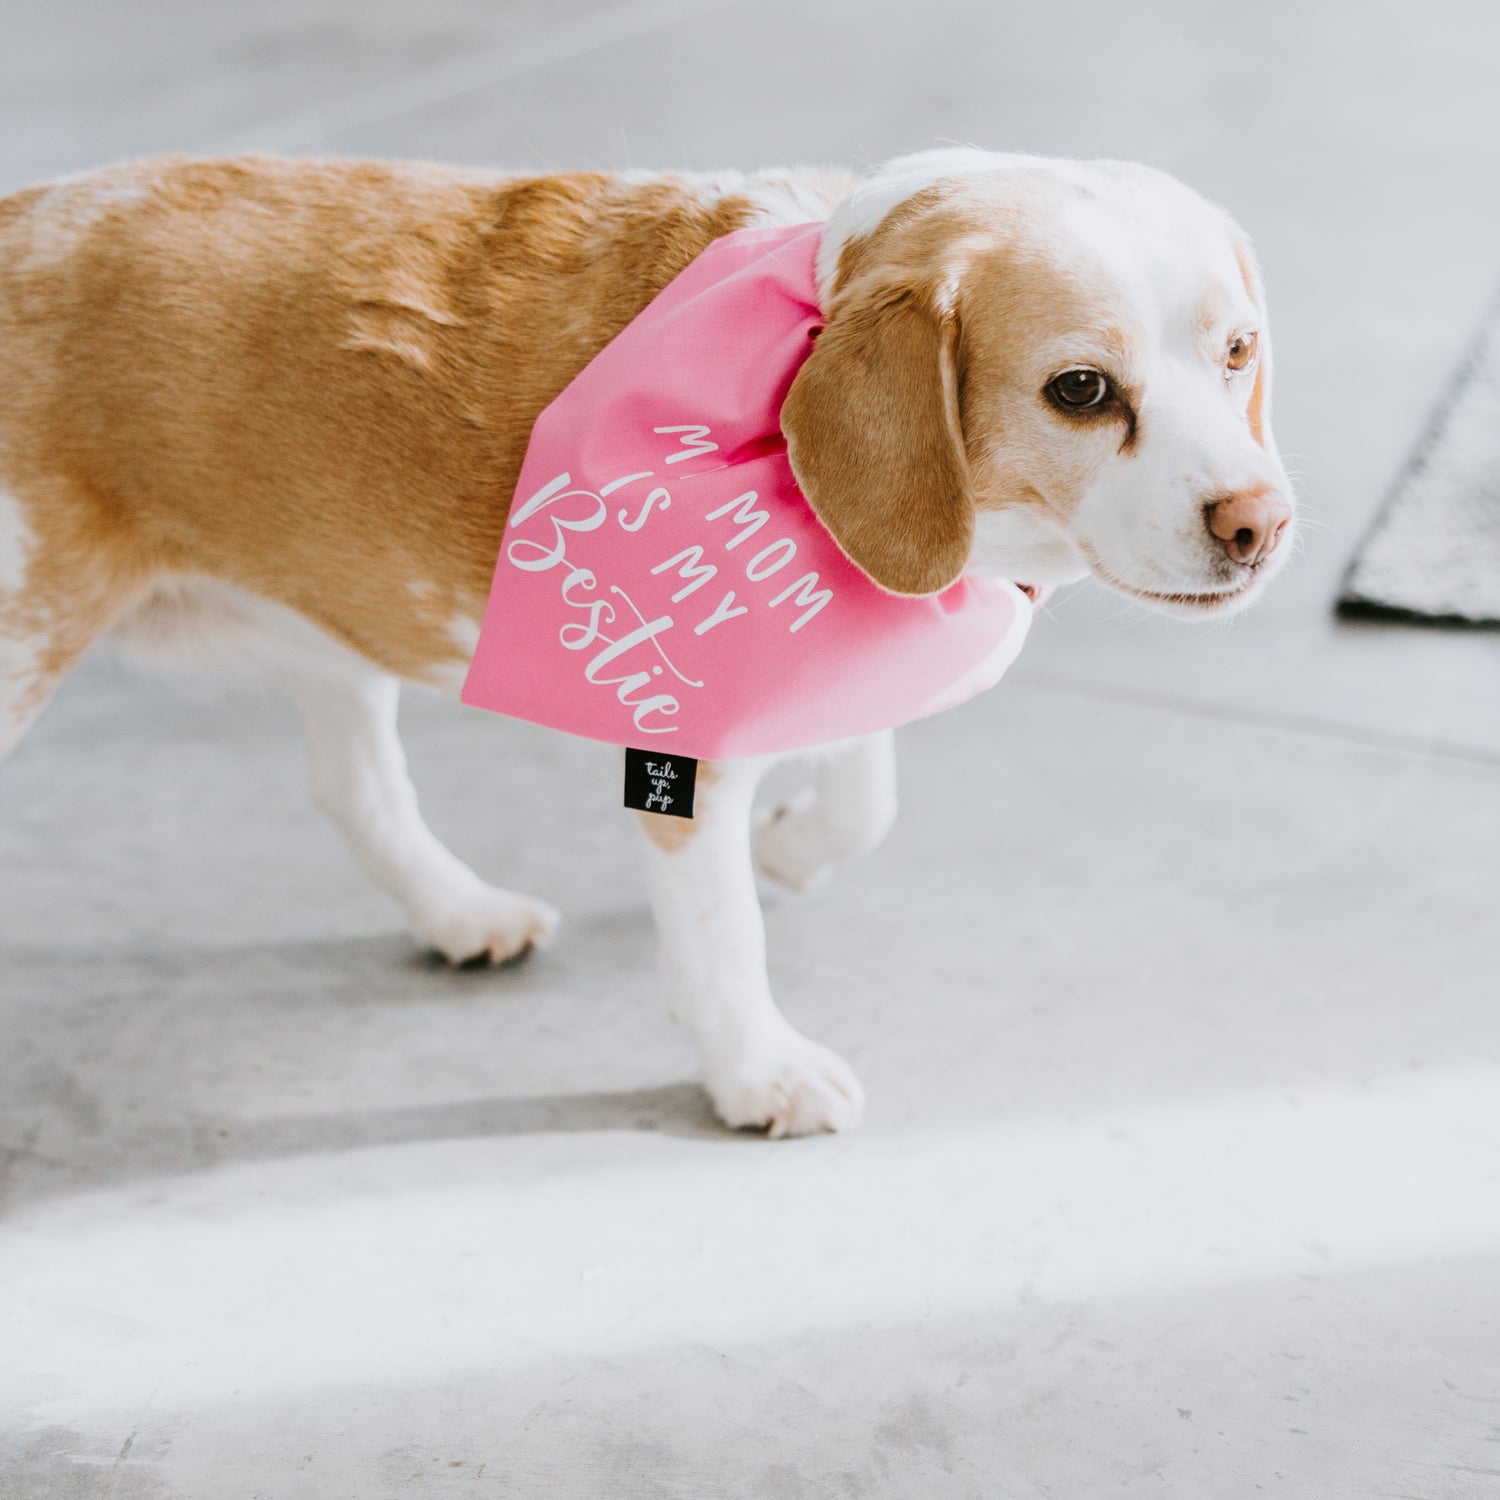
[(1250, 523)]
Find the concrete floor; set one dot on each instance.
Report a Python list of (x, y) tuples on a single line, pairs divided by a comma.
[(1175, 992)]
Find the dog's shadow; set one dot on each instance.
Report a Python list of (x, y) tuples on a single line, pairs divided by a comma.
[(103, 1083)]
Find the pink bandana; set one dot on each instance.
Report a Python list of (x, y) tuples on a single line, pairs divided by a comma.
[(663, 583)]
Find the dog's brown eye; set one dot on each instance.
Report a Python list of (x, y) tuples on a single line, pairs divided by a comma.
[(1079, 389), (1241, 351)]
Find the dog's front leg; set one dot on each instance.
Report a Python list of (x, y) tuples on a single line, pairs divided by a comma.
[(759, 1070), (848, 812)]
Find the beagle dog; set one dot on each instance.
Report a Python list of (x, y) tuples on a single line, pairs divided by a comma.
[(272, 412)]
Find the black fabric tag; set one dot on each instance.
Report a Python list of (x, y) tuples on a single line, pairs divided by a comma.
[(660, 783)]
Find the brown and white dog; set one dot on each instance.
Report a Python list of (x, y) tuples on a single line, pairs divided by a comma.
[(275, 410)]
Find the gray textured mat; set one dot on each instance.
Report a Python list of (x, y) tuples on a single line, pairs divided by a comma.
[(1434, 551)]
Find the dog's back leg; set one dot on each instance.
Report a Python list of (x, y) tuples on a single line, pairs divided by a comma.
[(63, 580), (359, 780)]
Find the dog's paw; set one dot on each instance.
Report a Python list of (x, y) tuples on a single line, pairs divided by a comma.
[(791, 847), (787, 1086), (486, 924)]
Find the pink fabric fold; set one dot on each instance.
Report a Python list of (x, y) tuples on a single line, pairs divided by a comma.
[(662, 581)]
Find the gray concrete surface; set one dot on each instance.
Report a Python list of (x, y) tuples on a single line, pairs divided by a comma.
[(1175, 992)]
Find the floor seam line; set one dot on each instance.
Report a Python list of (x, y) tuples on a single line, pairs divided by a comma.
[(1290, 723)]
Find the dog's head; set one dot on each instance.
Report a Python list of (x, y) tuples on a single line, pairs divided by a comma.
[(1046, 369)]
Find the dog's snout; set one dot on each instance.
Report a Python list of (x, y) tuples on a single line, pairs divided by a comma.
[(1250, 523)]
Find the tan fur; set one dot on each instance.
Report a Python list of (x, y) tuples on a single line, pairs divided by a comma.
[(671, 834), (314, 380), (874, 437)]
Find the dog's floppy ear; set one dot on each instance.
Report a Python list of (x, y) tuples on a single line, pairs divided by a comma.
[(875, 440)]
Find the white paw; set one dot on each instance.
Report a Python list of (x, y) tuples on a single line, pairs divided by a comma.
[(790, 847), (487, 923), (787, 1085)]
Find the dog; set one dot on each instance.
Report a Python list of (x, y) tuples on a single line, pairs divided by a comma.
[(272, 412)]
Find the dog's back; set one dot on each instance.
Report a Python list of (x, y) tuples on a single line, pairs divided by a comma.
[(309, 379)]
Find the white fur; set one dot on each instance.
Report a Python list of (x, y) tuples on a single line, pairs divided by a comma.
[(1026, 544), (758, 1068), (463, 631), (779, 196), (784, 199), (21, 638), (16, 543), (204, 625), (849, 811)]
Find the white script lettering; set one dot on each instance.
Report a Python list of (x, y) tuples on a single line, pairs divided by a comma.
[(810, 598), (751, 520), (693, 569), (723, 610), (694, 440)]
